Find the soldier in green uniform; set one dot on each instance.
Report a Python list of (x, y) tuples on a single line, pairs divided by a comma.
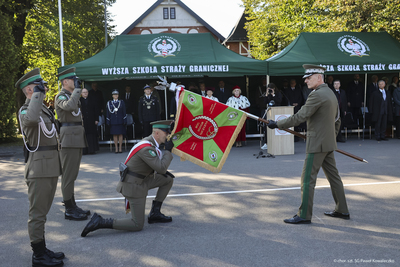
[(72, 139), (43, 165), (147, 166), (321, 112)]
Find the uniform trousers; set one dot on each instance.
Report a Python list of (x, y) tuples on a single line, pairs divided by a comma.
[(147, 128), (312, 164), (40, 194), (70, 162), (137, 205)]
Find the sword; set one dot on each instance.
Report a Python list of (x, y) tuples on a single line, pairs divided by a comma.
[(305, 137)]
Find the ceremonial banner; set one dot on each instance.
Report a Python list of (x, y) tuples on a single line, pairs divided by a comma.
[(205, 130)]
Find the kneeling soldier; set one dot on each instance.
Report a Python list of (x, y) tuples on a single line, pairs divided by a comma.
[(147, 169), (43, 164)]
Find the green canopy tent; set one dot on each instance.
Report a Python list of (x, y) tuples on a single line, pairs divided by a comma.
[(174, 55), (167, 54), (340, 53)]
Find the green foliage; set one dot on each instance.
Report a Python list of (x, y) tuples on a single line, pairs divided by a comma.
[(8, 71), (273, 24), (83, 35)]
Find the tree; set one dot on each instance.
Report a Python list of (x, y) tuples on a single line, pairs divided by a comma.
[(8, 71), (362, 16), (33, 27), (83, 35), (274, 24)]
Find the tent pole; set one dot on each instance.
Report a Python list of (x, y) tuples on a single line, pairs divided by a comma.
[(247, 85), (267, 79), (365, 100), (165, 96)]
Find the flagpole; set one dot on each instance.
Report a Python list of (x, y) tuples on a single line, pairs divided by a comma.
[(61, 33), (304, 137)]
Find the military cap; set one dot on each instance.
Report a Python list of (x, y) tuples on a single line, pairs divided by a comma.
[(210, 89), (311, 69), (28, 78), (146, 86), (115, 92), (162, 125), (67, 74)]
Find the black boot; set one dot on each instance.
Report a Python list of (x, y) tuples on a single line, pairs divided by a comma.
[(97, 222), (52, 254), (156, 216), (40, 257), (87, 212), (71, 213)]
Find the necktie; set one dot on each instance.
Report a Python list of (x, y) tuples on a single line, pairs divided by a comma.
[(383, 94), (127, 96)]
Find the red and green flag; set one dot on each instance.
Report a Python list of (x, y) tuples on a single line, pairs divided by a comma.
[(205, 130)]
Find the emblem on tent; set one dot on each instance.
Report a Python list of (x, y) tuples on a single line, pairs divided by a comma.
[(164, 46), (353, 46)]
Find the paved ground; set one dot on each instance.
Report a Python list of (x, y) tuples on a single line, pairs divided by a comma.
[(234, 218)]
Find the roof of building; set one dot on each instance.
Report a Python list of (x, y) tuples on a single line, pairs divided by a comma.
[(238, 33), (185, 7)]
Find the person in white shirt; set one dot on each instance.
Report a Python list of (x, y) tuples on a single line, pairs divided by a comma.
[(210, 92), (241, 102)]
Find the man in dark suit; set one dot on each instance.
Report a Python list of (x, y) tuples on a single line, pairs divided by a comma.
[(293, 95), (329, 81), (130, 107), (372, 87), (355, 96), (342, 101), (323, 121), (222, 93), (148, 110), (381, 109)]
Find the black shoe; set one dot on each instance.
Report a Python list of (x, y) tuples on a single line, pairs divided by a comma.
[(71, 212), (55, 255), (41, 259), (384, 139), (297, 220), (378, 139), (336, 214), (52, 254), (87, 212), (97, 222), (156, 216), (341, 140)]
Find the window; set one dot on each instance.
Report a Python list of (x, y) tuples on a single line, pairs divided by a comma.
[(172, 13), (165, 12)]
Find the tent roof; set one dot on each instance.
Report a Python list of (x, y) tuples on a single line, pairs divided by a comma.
[(340, 52), (185, 7), (184, 55)]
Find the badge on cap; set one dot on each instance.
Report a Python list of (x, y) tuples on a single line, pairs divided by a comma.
[(311, 69)]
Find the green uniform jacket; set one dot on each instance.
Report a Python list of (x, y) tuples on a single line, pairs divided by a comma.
[(40, 163), (66, 105), (144, 162), (320, 111)]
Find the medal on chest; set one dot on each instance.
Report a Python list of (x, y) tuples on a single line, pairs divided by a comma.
[(148, 103)]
